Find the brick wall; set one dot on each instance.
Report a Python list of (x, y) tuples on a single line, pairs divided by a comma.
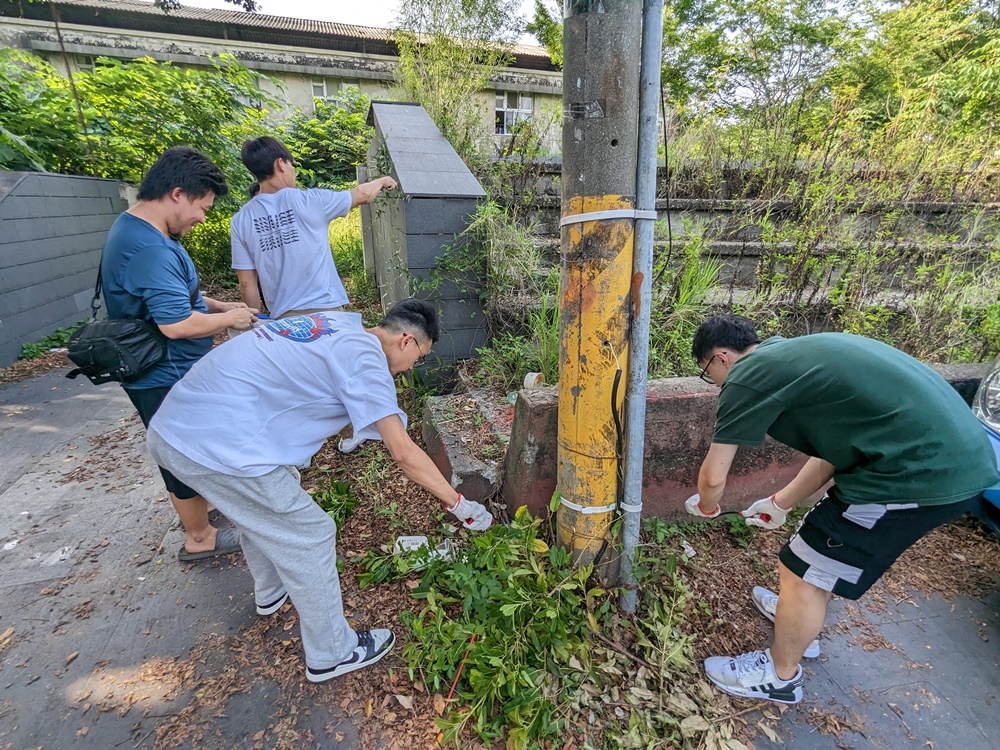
[(52, 229)]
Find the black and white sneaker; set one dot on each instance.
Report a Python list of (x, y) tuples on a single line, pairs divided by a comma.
[(372, 646), (751, 675), (269, 609)]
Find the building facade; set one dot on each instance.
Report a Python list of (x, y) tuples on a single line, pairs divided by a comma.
[(301, 60)]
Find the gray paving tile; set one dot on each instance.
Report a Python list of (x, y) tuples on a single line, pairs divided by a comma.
[(927, 716)]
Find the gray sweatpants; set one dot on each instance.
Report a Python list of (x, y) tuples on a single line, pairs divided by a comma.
[(290, 545)]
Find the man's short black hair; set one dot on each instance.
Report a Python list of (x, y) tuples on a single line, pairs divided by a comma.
[(412, 315), (185, 168), (723, 332), (259, 155)]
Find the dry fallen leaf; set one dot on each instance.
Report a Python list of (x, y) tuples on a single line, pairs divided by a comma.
[(72, 656), (439, 704), (771, 735), (692, 725), (405, 701)]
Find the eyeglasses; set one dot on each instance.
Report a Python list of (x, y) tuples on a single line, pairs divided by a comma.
[(423, 357), (704, 373)]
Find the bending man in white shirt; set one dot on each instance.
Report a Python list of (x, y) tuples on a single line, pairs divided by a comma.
[(251, 411)]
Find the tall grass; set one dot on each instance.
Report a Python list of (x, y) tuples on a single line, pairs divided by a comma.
[(681, 299)]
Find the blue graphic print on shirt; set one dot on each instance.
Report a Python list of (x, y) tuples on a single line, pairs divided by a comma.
[(302, 328)]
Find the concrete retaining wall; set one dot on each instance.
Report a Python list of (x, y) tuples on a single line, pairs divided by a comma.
[(53, 229), (680, 416)]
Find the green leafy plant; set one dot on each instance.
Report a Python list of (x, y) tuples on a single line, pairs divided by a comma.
[(210, 249), (131, 112), (681, 299), (57, 339), (741, 533), (530, 611), (330, 142), (336, 498)]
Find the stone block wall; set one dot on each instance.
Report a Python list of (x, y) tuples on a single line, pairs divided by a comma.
[(54, 227)]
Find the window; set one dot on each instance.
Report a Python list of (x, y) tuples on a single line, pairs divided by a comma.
[(326, 89), (319, 89), (250, 101), (512, 108), (85, 63)]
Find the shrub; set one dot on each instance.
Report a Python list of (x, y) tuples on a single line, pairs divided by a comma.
[(209, 248), (329, 143)]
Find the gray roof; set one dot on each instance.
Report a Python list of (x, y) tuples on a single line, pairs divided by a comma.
[(266, 22), (424, 161)]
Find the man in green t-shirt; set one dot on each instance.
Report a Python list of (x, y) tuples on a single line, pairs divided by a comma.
[(904, 451)]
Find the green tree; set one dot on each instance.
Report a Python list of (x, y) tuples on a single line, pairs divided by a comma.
[(546, 25), (449, 50), (38, 123), (329, 144), (132, 111)]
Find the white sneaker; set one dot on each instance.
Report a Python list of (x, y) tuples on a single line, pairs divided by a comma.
[(751, 675), (372, 646), (767, 602), (346, 445)]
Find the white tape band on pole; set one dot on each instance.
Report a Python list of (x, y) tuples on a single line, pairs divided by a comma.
[(622, 213), (586, 510)]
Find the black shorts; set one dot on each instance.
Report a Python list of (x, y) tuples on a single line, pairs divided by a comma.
[(844, 548), (146, 401)]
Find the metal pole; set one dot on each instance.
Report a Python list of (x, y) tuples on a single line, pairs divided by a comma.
[(642, 266), (600, 131)]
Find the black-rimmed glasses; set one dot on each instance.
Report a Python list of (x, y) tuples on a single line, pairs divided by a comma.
[(704, 373)]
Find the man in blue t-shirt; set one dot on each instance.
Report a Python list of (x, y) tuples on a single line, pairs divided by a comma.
[(148, 274)]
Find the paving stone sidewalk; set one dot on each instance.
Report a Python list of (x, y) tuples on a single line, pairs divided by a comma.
[(95, 614)]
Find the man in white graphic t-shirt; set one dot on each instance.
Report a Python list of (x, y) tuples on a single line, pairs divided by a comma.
[(236, 426), (280, 238)]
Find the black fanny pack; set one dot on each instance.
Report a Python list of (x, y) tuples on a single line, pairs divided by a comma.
[(120, 349)]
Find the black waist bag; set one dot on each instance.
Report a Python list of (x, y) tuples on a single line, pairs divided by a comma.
[(119, 350)]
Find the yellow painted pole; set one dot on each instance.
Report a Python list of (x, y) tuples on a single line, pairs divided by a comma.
[(600, 101)]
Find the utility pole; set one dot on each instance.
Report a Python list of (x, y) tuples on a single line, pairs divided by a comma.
[(601, 51)]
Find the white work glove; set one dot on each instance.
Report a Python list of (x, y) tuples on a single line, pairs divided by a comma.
[(766, 514), (473, 515), (691, 506)]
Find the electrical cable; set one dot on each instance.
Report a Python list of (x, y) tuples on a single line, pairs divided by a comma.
[(666, 174), (619, 452)]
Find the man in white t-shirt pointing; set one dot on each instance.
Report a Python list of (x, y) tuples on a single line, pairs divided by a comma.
[(236, 426), (281, 237)]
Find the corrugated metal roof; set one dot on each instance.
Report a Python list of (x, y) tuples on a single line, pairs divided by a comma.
[(263, 21)]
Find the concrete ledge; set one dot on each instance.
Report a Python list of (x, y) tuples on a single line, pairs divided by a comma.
[(449, 430), (680, 416)]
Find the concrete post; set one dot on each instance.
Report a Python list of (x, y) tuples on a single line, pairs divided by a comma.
[(600, 105)]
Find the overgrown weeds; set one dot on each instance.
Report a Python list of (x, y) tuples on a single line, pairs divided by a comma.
[(537, 652)]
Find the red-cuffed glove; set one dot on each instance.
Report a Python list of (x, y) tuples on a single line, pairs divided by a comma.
[(766, 514), (691, 506), (473, 515)]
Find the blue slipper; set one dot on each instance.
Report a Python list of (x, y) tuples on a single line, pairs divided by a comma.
[(227, 541)]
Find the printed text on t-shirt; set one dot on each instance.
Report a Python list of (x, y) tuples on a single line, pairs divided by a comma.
[(276, 230)]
